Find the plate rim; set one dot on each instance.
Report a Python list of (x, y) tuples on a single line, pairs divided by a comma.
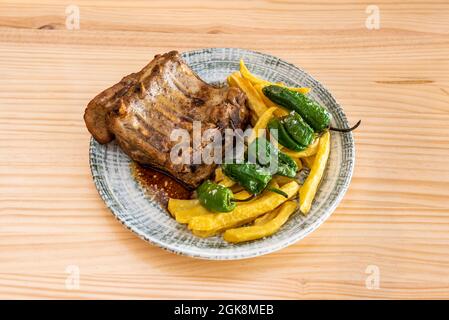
[(328, 211)]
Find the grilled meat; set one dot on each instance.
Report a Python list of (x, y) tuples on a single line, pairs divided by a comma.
[(143, 109)]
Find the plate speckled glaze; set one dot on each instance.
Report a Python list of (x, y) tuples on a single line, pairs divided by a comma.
[(136, 209)]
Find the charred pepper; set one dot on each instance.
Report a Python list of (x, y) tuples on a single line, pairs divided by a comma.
[(311, 111), (298, 129), (266, 154), (251, 176), (282, 135), (215, 197)]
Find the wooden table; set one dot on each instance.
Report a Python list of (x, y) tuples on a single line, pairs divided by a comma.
[(393, 222)]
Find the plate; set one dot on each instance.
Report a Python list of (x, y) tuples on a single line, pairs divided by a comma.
[(138, 211)]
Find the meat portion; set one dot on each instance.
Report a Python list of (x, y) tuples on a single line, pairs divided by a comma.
[(143, 109)]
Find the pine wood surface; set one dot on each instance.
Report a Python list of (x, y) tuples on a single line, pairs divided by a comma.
[(395, 215)]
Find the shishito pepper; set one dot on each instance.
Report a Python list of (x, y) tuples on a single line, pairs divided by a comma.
[(215, 197), (292, 131), (287, 166), (283, 137), (263, 160), (251, 176), (311, 111), (298, 129), (266, 154)]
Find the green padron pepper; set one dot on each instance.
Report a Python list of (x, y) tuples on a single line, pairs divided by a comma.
[(311, 111), (215, 197), (282, 135), (298, 129), (292, 131), (251, 176), (287, 166), (267, 155)]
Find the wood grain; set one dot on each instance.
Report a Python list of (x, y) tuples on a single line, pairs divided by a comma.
[(395, 215)]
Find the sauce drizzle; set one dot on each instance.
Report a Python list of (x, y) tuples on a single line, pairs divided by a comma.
[(158, 184)]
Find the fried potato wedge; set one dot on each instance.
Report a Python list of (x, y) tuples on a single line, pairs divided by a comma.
[(255, 102), (309, 151), (244, 212), (219, 175), (227, 182), (175, 205), (308, 161), (255, 80), (237, 188), (184, 215), (261, 124), (184, 210), (249, 76), (242, 195), (265, 218), (268, 102), (281, 180), (308, 190), (222, 179), (254, 232)]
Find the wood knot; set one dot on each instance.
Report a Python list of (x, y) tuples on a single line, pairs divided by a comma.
[(47, 27)]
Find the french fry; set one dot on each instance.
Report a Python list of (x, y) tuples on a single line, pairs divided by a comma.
[(236, 188), (222, 179), (268, 102), (281, 180), (248, 75), (242, 195), (254, 100), (178, 204), (185, 214), (308, 190), (219, 175), (184, 210), (265, 218), (309, 151), (244, 212), (308, 161), (261, 123), (227, 182), (254, 232), (255, 80)]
